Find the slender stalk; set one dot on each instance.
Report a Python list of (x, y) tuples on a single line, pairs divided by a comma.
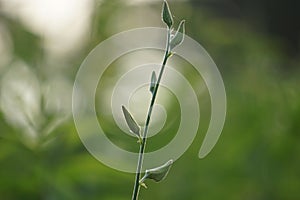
[(143, 143)]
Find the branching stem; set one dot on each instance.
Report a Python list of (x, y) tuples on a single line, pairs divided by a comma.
[(143, 143)]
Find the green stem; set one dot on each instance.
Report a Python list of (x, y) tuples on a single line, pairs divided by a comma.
[(143, 143)]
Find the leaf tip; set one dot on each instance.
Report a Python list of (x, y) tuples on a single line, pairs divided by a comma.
[(159, 173), (153, 82), (166, 14), (132, 124), (178, 38)]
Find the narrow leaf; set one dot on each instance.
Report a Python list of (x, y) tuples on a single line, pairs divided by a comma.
[(179, 36), (166, 14), (133, 126), (153, 82), (159, 173)]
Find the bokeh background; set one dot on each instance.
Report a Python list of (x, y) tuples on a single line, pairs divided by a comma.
[(256, 46)]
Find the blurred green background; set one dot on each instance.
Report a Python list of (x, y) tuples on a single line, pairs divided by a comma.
[(255, 45)]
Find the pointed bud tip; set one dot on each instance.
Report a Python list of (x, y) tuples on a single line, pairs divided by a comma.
[(132, 124), (167, 15)]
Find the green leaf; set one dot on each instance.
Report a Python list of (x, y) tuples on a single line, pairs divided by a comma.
[(159, 173), (133, 126), (177, 39), (153, 82), (166, 14)]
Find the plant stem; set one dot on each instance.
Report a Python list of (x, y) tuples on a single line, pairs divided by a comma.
[(143, 143)]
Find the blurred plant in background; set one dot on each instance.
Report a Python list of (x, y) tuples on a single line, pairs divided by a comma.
[(42, 44)]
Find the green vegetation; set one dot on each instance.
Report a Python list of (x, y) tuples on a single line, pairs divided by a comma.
[(257, 156)]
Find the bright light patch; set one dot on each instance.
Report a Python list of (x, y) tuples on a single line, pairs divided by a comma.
[(61, 23)]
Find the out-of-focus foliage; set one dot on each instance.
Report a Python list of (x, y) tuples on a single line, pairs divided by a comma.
[(257, 156)]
